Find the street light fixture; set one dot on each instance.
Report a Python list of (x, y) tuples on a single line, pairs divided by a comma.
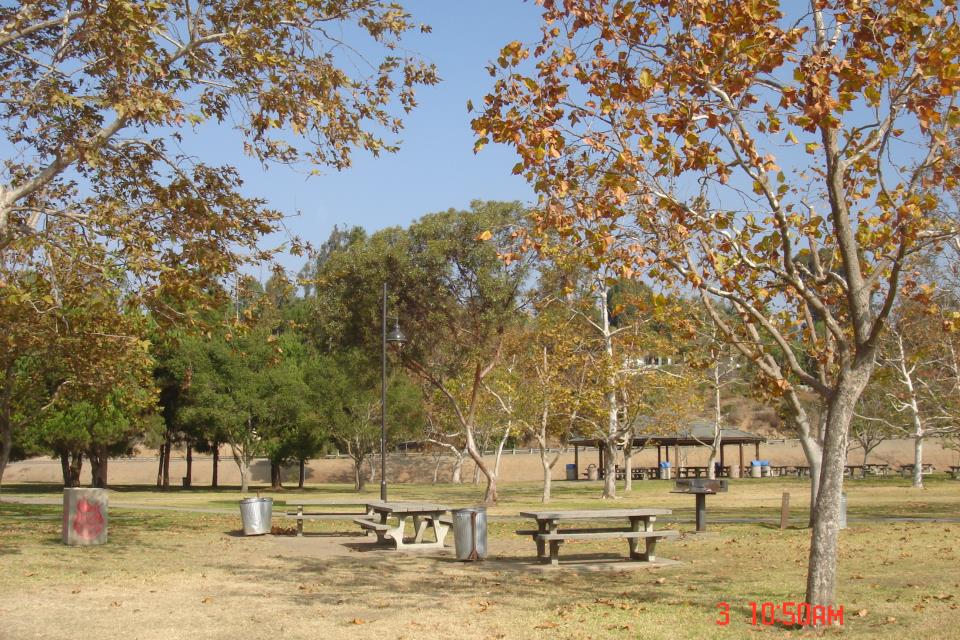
[(397, 338)]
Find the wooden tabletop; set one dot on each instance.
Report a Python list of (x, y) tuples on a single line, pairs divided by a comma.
[(587, 514)]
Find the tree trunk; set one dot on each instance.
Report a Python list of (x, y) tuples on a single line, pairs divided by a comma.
[(276, 473), (160, 457), (71, 463), (189, 475), (918, 461), (6, 439), (98, 467), (490, 495), (717, 426), (628, 463), (243, 464), (167, 446), (214, 483), (822, 567), (609, 469), (359, 479), (303, 473), (456, 475)]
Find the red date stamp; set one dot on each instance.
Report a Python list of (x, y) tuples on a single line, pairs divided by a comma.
[(788, 614)]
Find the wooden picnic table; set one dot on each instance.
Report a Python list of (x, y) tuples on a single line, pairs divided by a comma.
[(639, 525), (692, 472), (423, 515), (955, 471)]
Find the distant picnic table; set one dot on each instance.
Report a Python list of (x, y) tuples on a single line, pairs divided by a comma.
[(955, 471), (907, 469), (638, 526)]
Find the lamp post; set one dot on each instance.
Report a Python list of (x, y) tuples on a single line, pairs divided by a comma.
[(396, 337)]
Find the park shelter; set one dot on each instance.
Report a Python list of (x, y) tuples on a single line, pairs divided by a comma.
[(696, 434)]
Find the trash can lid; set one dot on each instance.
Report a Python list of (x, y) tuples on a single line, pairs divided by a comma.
[(478, 509)]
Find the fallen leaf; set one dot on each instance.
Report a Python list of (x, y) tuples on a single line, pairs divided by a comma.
[(891, 620), (660, 580), (862, 613), (358, 621), (114, 604), (547, 625), (207, 600), (75, 591)]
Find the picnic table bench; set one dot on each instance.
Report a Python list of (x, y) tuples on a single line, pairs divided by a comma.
[(640, 527), (325, 514), (423, 516), (955, 472)]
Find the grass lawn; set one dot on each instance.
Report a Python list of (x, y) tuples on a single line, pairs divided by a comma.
[(189, 574)]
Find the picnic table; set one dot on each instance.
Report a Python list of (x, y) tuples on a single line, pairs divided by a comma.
[(336, 513), (783, 470), (876, 469), (423, 516), (907, 469), (692, 472), (854, 471), (638, 526), (955, 471)]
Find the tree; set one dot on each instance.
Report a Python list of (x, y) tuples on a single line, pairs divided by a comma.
[(96, 98), (453, 295), (730, 148), (345, 388), (923, 379), (67, 339)]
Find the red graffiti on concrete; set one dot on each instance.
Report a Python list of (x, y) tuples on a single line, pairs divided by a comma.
[(88, 523)]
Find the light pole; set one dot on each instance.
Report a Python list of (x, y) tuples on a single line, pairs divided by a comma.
[(396, 337)]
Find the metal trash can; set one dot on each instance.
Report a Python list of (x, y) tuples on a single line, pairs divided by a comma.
[(666, 472), (257, 515), (592, 472), (571, 472), (470, 533)]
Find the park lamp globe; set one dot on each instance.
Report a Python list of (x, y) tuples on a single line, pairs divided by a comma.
[(396, 337)]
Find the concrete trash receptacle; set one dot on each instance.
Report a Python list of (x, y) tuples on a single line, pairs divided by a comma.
[(755, 471), (765, 468), (665, 471), (470, 533), (592, 472), (84, 516), (257, 515), (571, 472)]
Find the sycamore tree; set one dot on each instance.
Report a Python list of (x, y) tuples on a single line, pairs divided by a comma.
[(785, 161), (99, 102)]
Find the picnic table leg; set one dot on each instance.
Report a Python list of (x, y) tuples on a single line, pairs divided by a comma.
[(300, 521), (555, 552), (419, 526), (633, 543), (650, 543), (541, 546), (701, 512)]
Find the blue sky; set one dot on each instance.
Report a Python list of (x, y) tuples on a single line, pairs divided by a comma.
[(436, 168)]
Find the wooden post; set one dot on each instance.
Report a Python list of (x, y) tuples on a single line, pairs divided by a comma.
[(576, 459), (741, 458), (758, 451), (785, 511), (659, 458)]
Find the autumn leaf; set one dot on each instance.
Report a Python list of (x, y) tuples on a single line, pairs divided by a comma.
[(483, 236)]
